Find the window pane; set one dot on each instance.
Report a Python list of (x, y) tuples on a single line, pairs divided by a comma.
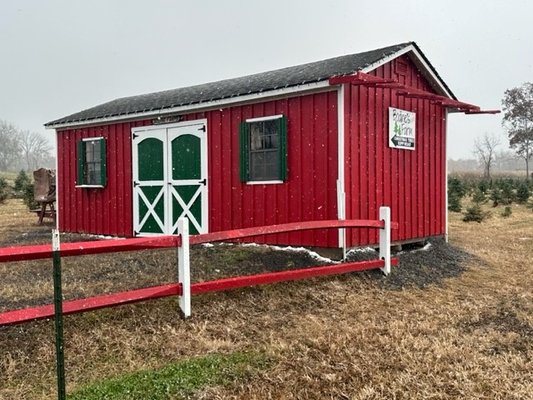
[(263, 135), (270, 127), (93, 162), (96, 150), (256, 165), (89, 152), (255, 136), (271, 159), (90, 175), (263, 150), (263, 166)]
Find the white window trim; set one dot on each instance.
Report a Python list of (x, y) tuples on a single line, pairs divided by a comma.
[(269, 118), (260, 119), (92, 139), (274, 182)]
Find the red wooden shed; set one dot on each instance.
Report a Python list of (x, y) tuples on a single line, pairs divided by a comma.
[(333, 139)]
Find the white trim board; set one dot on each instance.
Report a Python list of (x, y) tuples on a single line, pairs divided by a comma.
[(341, 195), (268, 118), (418, 59)]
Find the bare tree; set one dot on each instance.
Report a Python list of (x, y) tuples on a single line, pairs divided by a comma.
[(518, 118), (485, 151), (9, 145), (35, 149)]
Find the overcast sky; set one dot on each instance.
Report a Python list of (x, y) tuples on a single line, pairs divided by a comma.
[(59, 57)]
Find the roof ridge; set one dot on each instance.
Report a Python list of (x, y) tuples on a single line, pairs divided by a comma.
[(401, 45), (259, 82)]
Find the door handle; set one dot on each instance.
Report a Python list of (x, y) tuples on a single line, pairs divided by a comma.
[(203, 181)]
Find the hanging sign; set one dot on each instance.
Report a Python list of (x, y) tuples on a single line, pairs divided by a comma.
[(401, 129), (167, 119)]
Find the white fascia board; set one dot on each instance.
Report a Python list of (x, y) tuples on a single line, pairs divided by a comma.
[(315, 86), (419, 60)]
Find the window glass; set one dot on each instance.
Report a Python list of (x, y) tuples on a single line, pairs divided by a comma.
[(263, 153), (263, 145), (91, 162)]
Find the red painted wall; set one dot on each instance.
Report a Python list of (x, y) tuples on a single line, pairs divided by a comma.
[(310, 191), (308, 194), (410, 182), (105, 211)]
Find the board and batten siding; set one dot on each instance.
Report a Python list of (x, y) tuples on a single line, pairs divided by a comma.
[(308, 194), (310, 190), (412, 183), (106, 211)]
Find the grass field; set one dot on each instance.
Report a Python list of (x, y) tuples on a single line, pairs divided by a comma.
[(468, 336)]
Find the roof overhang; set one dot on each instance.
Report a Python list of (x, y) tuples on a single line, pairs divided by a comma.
[(444, 95), (364, 79), (203, 106), (423, 65)]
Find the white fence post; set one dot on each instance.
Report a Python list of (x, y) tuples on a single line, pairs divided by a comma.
[(184, 267), (384, 239)]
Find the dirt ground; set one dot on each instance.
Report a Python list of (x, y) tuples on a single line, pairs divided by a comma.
[(452, 321)]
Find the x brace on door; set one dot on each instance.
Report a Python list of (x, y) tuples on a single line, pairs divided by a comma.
[(187, 208), (151, 208)]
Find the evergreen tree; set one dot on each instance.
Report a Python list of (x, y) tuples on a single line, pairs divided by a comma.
[(507, 192), (455, 186), (454, 202), (496, 196), (522, 192), (21, 181), (507, 212), (475, 214), (478, 197), (4, 190)]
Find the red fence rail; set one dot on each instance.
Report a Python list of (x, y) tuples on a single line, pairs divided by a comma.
[(36, 252), (175, 289), (184, 288)]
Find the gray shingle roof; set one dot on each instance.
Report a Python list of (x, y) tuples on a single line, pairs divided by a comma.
[(251, 84)]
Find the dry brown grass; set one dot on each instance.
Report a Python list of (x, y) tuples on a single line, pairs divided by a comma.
[(334, 338)]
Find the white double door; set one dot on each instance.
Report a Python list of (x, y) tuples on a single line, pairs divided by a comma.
[(169, 178)]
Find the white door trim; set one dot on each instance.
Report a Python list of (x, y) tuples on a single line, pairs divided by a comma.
[(135, 176), (201, 226), (169, 193)]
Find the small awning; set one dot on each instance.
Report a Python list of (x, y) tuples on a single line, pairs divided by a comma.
[(361, 78)]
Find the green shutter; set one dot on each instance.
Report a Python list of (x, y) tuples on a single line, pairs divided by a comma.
[(81, 163), (244, 128), (103, 163), (282, 148)]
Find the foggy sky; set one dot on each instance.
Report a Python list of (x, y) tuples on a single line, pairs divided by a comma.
[(59, 57)]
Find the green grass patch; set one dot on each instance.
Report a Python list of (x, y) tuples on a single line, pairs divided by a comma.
[(177, 380)]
